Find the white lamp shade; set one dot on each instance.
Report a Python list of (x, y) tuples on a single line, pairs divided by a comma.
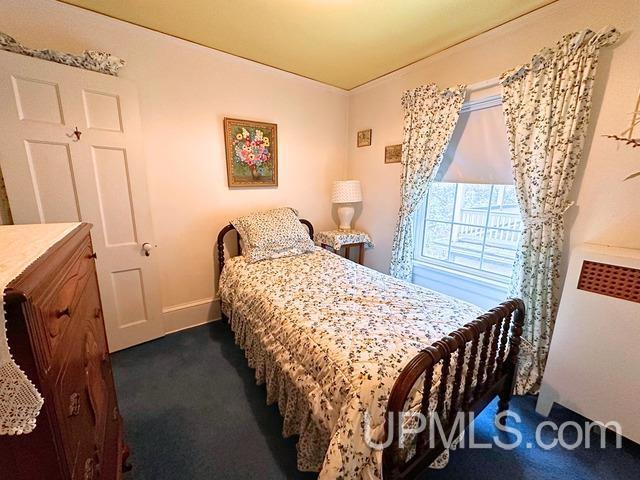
[(346, 191)]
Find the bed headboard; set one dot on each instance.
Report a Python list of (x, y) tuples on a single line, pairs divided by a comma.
[(229, 228)]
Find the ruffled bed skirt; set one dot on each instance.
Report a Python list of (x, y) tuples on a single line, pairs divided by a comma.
[(266, 357), (281, 376)]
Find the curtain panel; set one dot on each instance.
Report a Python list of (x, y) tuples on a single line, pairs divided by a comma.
[(430, 116), (546, 106)]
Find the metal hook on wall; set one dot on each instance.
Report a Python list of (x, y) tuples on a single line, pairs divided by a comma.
[(76, 133)]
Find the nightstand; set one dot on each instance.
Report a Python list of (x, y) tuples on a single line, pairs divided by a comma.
[(336, 239)]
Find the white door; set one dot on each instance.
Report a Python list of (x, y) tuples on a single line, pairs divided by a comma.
[(52, 176)]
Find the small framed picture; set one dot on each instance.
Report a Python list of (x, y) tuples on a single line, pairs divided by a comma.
[(393, 153), (364, 138)]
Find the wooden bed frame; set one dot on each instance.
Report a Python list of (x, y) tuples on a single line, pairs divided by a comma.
[(493, 378)]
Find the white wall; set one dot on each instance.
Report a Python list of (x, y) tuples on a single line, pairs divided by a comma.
[(185, 91), (608, 210)]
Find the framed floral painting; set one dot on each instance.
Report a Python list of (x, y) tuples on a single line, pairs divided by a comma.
[(252, 153)]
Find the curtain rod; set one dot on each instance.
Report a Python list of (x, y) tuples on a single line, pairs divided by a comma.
[(492, 82)]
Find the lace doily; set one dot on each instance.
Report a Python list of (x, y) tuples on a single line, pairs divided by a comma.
[(20, 246)]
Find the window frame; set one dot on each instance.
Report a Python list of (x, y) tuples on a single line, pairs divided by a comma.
[(475, 274)]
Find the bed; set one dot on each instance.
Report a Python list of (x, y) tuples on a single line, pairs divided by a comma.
[(344, 350)]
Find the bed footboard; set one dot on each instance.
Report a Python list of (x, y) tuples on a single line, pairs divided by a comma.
[(479, 351)]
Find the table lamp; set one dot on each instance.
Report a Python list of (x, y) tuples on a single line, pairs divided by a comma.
[(345, 193)]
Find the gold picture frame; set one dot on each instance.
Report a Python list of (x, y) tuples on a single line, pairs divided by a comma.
[(364, 138), (393, 153), (251, 150)]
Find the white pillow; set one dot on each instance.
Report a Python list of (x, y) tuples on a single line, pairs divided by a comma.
[(272, 234)]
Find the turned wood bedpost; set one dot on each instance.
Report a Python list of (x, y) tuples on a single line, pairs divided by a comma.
[(220, 247), (309, 226), (433, 356), (511, 363), (468, 396), (484, 353), (504, 337), (447, 345), (462, 336)]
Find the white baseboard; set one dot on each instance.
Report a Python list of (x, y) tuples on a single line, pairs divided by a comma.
[(190, 314)]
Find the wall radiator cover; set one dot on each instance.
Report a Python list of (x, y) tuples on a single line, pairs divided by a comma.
[(611, 280), (595, 340)]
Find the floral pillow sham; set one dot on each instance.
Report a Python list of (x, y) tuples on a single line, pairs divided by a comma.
[(272, 234)]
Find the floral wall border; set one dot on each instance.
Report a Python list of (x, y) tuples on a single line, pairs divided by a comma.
[(93, 60)]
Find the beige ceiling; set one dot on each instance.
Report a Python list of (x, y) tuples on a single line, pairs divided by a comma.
[(344, 43)]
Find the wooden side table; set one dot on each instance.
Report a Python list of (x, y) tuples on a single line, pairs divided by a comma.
[(335, 240)]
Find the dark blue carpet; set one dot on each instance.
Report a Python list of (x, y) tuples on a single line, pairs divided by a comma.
[(192, 410)]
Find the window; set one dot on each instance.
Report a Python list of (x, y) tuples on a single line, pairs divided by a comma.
[(472, 229), (468, 229)]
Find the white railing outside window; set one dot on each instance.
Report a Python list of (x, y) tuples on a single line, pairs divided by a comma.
[(470, 230)]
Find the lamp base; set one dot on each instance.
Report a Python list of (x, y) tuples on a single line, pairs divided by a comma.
[(345, 214)]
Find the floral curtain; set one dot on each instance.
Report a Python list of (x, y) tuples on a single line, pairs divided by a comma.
[(546, 107), (430, 116)]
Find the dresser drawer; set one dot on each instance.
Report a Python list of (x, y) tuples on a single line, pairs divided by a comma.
[(58, 306), (73, 410), (82, 388)]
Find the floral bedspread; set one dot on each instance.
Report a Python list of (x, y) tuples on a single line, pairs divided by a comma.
[(329, 337)]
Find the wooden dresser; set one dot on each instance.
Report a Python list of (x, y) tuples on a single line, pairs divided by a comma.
[(56, 334)]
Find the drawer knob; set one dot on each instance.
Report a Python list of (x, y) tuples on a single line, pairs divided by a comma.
[(64, 313), (94, 255), (74, 404)]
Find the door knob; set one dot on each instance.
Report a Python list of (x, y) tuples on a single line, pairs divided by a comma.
[(147, 247)]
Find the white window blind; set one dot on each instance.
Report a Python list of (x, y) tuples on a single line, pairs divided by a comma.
[(478, 151), (469, 226)]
